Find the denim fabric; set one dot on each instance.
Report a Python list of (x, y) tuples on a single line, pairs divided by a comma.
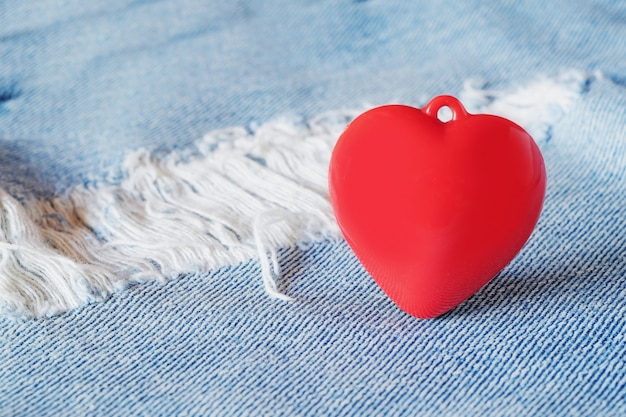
[(84, 83)]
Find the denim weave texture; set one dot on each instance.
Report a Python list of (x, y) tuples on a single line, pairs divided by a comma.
[(83, 84)]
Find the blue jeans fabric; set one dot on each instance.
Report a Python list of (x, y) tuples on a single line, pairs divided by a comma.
[(84, 83)]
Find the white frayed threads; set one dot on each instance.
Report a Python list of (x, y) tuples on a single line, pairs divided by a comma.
[(267, 253), (235, 196), (36, 278), (535, 106)]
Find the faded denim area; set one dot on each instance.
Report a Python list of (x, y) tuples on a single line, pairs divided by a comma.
[(83, 83)]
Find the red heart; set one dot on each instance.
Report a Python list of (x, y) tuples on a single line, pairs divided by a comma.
[(434, 210)]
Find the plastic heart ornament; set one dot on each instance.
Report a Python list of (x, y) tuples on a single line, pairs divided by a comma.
[(434, 210)]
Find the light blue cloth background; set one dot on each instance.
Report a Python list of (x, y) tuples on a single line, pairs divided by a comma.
[(84, 82)]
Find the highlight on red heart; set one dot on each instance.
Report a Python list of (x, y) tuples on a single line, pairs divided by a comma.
[(432, 209)]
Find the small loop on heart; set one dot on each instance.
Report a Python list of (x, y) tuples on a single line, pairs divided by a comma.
[(455, 106)]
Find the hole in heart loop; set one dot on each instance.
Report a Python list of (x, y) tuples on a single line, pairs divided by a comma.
[(444, 114), (439, 102)]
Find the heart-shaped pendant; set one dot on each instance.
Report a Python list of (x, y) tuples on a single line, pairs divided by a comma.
[(432, 209)]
